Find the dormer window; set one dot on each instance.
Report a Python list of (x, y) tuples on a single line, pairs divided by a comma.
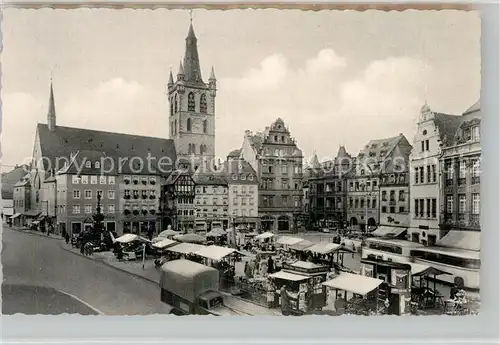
[(243, 177), (88, 164), (235, 177), (424, 132), (97, 165), (250, 177), (126, 179), (386, 143), (374, 146)]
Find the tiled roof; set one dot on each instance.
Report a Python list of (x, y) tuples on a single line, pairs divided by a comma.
[(379, 148), (65, 141), (9, 179), (475, 107), (212, 179), (447, 125), (257, 141), (239, 167)]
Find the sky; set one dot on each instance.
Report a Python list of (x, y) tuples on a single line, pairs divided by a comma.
[(334, 77)]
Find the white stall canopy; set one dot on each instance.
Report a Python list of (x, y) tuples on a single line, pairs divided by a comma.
[(127, 238), (264, 235), (185, 248), (164, 243), (216, 253), (288, 240), (288, 276), (354, 283)]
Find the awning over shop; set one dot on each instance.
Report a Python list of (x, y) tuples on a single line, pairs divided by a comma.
[(165, 243), (15, 216), (264, 235), (424, 270), (469, 240), (185, 248), (288, 276), (354, 283), (324, 248), (31, 213), (388, 231), (216, 253), (302, 245), (288, 240)]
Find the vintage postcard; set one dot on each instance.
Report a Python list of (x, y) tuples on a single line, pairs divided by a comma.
[(241, 162)]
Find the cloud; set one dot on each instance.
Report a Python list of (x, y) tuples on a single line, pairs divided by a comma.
[(271, 72), (326, 60)]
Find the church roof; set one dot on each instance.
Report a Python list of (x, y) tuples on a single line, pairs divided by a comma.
[(234, 154), (65, 141), (447, 126), (192, 70)]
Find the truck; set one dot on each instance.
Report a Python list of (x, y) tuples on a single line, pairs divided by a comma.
[(190, 288)]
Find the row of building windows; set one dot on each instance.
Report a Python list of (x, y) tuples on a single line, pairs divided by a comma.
[(269, 201), (144, 194), (360, 203), (284, 183), (87, 194), (426, 174), (192, 149), (243, 189), (89, 209), (392, 195), (84, 179), (211, 190), (243, 201), (136, 179), (215, 201), (425, 208), (205, 212), (462, 204), (392, 209), (357, 186), (242, 177), (269, 169), (175, 106)]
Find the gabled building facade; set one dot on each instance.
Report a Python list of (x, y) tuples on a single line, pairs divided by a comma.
[(177, 205), (434, 131), (381, 160), (243, 193), (276, 158)]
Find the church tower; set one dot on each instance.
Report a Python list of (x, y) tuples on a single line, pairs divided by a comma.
[(51, 113), (192, 109)]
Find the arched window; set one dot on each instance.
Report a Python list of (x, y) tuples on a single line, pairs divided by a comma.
[(205, 126), (97, 165), (203, 103), (171, 106), (188, 125), (191, 102), (175, 104), (189, 149), (175, 127), (88, 164), (193, 148)]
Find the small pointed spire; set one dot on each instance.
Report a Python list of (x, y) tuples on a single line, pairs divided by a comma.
[(181, 69), (51, 113), (170, 78), (212, 74)]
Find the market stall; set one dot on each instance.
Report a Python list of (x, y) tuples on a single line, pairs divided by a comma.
[(164, 244), (317, 273), (327, 253), (264, 236), (220, 258), (130, 246), (421, 294), (363, 290), (396, 289), (288, 291)]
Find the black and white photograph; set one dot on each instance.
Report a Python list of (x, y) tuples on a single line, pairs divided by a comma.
[(240, 162)]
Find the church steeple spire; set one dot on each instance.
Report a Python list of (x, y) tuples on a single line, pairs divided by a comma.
[(170, 78), (51, 113), (191, 59)]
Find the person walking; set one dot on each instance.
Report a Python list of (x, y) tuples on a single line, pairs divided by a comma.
[(66, 237)]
